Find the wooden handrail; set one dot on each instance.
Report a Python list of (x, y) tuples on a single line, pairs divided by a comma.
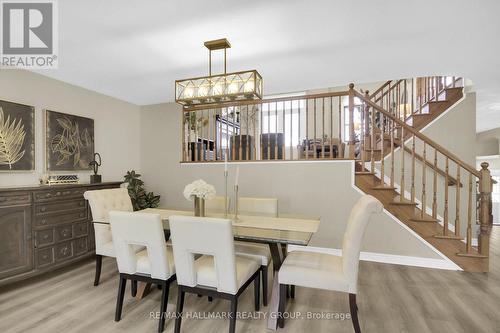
[(452, 180), (380, 89), (264, 101), (421, 136), (386, 92)]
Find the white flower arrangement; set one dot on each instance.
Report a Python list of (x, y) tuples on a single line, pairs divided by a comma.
[(200, 189)]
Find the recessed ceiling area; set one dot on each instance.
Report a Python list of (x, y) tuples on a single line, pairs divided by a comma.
[(134, 50)]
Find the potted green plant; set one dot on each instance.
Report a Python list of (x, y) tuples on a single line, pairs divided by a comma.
[(140, 198)]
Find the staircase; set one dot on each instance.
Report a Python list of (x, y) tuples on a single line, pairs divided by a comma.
[(414, 190)]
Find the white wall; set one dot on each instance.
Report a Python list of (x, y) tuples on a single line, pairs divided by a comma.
[(116, 122), (313, 189)]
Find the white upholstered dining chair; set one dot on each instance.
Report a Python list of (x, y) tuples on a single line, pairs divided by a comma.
[(101, 202), (154, 264), (326, 271), (261, 207), (219, 272), (217, 205)]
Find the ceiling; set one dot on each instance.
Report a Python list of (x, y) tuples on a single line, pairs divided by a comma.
[(134, 50)]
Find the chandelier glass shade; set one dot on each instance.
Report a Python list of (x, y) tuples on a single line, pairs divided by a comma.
[(246, 85), (219, 88)]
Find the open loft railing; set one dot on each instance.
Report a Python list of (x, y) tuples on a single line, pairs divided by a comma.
[(308, 127), (279, 129)]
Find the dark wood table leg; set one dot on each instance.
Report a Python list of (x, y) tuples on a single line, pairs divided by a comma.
[(143, 288), (275, 254)]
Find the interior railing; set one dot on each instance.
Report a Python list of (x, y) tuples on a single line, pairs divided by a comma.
[(383, 131), (406, 97), (289, 128)]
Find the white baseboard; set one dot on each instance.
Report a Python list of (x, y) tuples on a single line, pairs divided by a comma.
[(385, 258)]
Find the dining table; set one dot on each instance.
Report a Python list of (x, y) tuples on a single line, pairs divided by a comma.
[(276, 232)]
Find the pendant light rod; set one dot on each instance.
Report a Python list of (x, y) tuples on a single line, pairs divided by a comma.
[(217, 44)]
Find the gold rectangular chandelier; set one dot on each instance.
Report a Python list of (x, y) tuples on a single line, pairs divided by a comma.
[(219, 88)]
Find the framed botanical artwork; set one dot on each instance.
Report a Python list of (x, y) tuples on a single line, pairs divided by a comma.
[(17, 137), (69, 142)]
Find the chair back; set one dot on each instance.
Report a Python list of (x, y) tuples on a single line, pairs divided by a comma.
[(207, 236), (258, 206), (216, 205), (356, 226), (129, 229), (101, 202)]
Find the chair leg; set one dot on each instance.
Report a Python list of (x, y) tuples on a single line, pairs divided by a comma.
[(264, 284), (292, 291), (98, 265), (133, 288), (232, 315), (119, 299), (281, 308), (256, 292), (180, 306), (354, 313), (163, 307), (210, 298)]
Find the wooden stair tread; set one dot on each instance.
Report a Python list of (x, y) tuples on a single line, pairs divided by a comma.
[(383, 187), (451, 248), (403, 202)]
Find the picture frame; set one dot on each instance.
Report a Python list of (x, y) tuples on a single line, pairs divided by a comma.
[(69, 142), (17, 129)]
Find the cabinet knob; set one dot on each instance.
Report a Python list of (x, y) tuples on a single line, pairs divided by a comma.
[(45, 257), (48, 195), (43, 209), (44, 221), (46, 236)]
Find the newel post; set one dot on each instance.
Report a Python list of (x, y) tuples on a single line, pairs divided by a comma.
[(485, 219), (352, 135)]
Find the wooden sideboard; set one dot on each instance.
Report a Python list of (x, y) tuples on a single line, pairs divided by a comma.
[(43, 228)]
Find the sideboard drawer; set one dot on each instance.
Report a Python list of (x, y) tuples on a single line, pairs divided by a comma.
[(63, 206), (58, 194), (64, 232), (42, 221), (64, 251), (15, 198), (81, 246), (80, 229), (44, 237), (44, 257)]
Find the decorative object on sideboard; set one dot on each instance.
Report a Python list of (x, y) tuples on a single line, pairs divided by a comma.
[(62, 179), (95, 178), (69, 142), (17, 137), (199, 191), (140, 198)]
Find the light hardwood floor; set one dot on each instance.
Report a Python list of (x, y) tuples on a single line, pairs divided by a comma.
[(391, 298)]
